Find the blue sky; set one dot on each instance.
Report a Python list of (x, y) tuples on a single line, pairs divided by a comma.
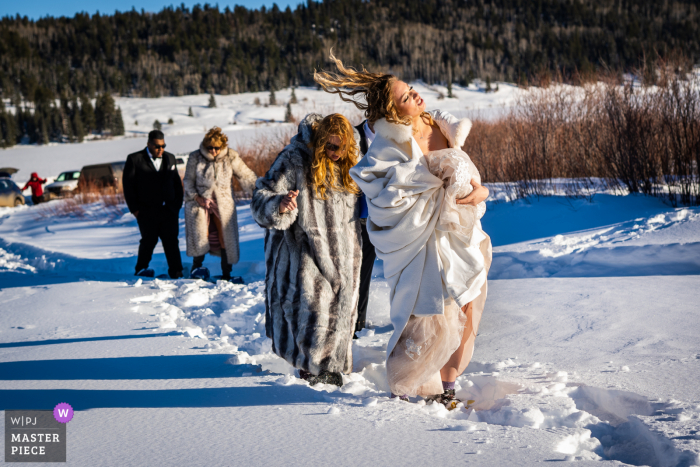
[(35, 9)]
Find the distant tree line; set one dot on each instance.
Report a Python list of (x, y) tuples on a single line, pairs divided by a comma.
[(180, 51), (69, 121)]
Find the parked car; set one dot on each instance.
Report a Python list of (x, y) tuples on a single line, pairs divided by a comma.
[(7, 172), (181, 161), (64, 185), (102, 176), (10, 194)]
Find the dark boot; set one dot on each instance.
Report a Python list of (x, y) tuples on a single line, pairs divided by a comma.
[(325, 377), (197, 262), (225, 267)]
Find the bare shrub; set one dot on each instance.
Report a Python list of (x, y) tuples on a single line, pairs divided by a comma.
[(91, 199), (679, 104), (261, 151), (629, 135)]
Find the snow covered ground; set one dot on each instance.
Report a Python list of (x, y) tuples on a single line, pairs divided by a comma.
[(588, 348)]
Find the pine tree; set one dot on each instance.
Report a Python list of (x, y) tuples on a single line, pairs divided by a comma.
[(157, 125), (293, 99), (118, 123), (272, 99), (29, 123), (189, 112), (19, 124), (3, 130), (77, 124), (69, 131), (87, 114), (104, 113), (488, 84), (10, 132), (522, 80), (170, 121), (7, 127), (212, 101), (288, 117), (53, 117), (43, 136)]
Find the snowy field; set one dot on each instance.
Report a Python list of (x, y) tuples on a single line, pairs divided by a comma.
[(588, 349)]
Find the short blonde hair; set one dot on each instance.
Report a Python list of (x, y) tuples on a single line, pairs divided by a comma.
[(216, 136)]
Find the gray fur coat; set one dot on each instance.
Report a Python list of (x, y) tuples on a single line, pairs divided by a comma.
[(313, 256), (212, 178)]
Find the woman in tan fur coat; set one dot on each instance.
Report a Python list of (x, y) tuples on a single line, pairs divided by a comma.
[(211, 225)]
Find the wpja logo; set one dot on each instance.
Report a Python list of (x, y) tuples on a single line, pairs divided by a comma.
[(37, 435)]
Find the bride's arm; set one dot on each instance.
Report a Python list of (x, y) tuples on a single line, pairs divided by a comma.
[(478, 195)]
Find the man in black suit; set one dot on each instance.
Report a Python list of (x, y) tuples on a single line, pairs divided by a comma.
[(154, 195), (368, 254)]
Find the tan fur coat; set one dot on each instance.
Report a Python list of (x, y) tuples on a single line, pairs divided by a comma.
[(212, 178)]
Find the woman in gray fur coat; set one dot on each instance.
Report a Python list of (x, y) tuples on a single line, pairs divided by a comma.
[(211, 225), (308, 204)]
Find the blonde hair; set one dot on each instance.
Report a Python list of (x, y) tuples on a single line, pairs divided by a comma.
[(374, 87), (325, 173), (216, 136)]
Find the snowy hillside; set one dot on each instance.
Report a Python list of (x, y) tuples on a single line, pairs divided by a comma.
[(587, 351), (251, 122)]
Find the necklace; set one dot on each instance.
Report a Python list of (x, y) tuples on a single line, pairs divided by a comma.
[(422, 136)]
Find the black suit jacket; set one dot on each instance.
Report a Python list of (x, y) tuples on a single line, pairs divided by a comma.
[(146, 189), (363, 138)]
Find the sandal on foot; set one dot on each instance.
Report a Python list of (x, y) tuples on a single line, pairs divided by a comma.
[(447, 398)]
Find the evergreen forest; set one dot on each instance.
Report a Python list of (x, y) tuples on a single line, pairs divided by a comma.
[(206, 49)]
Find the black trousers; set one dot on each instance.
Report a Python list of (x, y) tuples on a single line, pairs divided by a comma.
[(164, 224), (226, 268), (368, 257)]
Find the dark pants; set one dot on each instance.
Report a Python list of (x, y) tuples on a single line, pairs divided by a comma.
[(37, 199), (226, 268), (368, 257), (164, 224)]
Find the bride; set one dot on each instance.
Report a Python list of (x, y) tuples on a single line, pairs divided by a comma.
[(425, 202)]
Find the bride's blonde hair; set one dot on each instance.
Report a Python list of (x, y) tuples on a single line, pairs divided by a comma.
[(328, 175), (374, 87)]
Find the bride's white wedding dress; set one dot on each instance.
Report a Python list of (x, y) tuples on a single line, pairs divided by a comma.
[(436, 256), (428, 342)]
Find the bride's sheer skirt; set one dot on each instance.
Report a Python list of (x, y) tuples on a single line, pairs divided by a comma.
[(425, 345), (428, 342)]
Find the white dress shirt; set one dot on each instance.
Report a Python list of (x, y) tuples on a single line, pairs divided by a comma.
[(157, 161)]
